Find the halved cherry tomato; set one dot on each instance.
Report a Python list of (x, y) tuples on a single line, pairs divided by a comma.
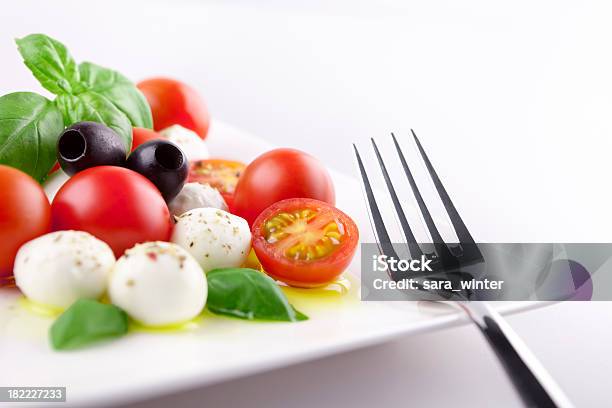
[(304, 242), (25, 213), (220, 174), (175, 103), (142, 135)]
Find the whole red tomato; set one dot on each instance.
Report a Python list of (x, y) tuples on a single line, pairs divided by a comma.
[(116, 205), (175, 103), (277, 175), (142, 135), (25, 213)]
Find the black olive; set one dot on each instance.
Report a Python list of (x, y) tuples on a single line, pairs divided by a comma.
[(163, 163), (89, 144)]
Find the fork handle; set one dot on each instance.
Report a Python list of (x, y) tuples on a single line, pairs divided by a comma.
[(534, 384)]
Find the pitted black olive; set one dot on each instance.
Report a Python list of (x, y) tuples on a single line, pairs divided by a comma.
[(163, 163), (89, 144)]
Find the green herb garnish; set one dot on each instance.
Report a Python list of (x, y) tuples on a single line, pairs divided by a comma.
[(30, 125), (85, 322), (248, 294), (85, 91), (29, 128)]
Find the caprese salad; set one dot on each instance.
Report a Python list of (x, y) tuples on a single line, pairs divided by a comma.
[(145, 226)]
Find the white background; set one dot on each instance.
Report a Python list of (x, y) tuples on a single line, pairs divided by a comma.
[(513, 101)]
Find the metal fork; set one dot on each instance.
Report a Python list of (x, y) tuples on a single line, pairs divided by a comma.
[(531, 380)]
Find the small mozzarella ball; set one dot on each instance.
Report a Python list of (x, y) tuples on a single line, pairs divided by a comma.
[(158, 283), (196, 195), (215, 238), (54, 183), (59, 268), (189, 142)]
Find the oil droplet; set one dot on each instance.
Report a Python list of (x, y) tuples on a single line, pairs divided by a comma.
[(252, 261), (339, 293), (39, 308), (189, 325)]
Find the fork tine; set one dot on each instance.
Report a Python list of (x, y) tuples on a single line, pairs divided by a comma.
[(463, 234), (383, 239), (413, 246), (442, 249)]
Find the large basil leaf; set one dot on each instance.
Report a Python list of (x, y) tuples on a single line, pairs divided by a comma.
[(85, 322), (91, 106), (248, 294), (50, 62), (29, 128), (119, 90)]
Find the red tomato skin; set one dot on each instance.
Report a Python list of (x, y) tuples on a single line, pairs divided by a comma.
[(142, 135), (114, 204), (304, 274), (25, 213), (55, 168), (175, 103), (278, 175)]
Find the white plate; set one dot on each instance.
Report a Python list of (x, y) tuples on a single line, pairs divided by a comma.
[(144, 365)]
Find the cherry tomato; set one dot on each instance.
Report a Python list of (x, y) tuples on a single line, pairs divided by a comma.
[(304, 242), (55, 168), (142, 135), (117, 205), (277, 175), (25, 213), (175, 103), (220, 174)]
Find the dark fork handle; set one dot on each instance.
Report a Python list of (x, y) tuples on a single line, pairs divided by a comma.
[(536, 387)]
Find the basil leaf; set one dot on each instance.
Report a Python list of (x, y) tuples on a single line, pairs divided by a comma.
[(90, 106), (85, 322), (119, 90), (248, 294), (29, 128), (50, 62)]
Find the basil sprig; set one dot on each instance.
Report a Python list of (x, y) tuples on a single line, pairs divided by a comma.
[(30, 125), (248, 294), (85, 91), (50, 62), (85, 322)]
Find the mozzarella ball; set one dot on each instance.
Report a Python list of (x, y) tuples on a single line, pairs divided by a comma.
[(215, 238), (189, 142), (196, 195), (54, 182), (158, 283), (59, 268)]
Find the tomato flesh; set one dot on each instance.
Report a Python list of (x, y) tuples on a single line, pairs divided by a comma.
[(304, 242), (218, 173), (303, 235)]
